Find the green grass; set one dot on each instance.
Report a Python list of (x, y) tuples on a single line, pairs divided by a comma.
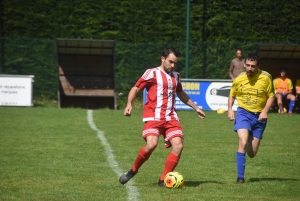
[(53, 154)]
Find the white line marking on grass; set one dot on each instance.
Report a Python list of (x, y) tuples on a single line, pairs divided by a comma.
[(131, 190)]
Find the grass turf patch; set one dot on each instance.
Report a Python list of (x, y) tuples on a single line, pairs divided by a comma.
[(53, 154)]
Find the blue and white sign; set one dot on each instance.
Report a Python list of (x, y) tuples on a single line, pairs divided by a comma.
[(207, 95)]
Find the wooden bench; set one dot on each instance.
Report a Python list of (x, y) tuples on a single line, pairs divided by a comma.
[(75, 85), (86, 85), (286, 103)]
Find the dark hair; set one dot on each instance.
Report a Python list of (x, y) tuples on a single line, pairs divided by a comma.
[(240, 49), (168, 51), (283, 69), (253, 57)]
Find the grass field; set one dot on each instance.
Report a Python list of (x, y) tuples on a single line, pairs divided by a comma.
[(55, 154)]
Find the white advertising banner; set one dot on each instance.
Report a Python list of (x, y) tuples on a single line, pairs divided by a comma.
[(206, 94), (16, 90)]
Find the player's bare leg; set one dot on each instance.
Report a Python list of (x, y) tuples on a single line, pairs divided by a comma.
[(243, 135), (177, 145), (152, 142), (252, 146), (279, 102)]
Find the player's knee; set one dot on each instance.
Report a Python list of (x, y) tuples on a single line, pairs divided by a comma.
[(243, 143), (151, 147), (293, 97), (242, 148), (178, 147)]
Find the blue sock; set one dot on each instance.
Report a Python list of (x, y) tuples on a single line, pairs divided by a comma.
[(240, 164), (291, 106)]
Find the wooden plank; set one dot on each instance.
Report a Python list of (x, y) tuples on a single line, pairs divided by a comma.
[(85, 86), (93, 92)]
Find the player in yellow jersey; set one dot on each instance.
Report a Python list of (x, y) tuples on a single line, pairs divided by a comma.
[(254, 92)]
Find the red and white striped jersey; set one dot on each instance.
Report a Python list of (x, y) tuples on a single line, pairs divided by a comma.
[(161, 88)]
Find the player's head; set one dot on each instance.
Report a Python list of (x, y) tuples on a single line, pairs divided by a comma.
[(253, 57), (169, 59), (282, 71), (169, 50), (239, 53), (252, 64)]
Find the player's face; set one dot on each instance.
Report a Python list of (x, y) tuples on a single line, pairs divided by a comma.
[(239, 54), (169, 63), (282, 73), (251, 68)]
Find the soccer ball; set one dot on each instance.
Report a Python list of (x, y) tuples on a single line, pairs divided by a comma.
[(221, 111), (173, 180), (284, 109)]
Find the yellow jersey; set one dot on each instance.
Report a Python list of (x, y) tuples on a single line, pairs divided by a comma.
[(253, 92), (281, 85)]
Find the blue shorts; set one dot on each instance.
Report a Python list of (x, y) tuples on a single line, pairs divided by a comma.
[(249, 120), (284, 96)]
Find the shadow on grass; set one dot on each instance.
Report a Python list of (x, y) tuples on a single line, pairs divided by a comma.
[(197, 183), (271, 179)]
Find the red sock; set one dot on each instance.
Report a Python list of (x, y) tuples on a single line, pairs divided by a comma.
[(140, 159), (170, 165)]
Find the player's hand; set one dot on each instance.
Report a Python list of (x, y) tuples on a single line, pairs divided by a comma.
[(263, 116), (201, 114), (230, 115), (127, 111)]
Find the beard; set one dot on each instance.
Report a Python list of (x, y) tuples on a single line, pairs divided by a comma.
[(168, 70)]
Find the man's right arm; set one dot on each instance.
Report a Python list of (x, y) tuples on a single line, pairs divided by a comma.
[(231, 71), (131, 96), (188, 101), (231, 100)]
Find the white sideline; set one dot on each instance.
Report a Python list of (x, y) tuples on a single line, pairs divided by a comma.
[(131, 190)]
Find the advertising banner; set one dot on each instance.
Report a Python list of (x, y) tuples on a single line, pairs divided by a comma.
[(16, 90), (207, 95)]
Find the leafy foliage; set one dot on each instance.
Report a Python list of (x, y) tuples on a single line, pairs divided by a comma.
[(142, 29), (153, 21), (32, 57)]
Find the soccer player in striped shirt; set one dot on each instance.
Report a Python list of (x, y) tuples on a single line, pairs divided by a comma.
[(159, 115), (254, 92)]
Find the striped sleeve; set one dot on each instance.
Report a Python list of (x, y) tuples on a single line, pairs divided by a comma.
[(145, 79)]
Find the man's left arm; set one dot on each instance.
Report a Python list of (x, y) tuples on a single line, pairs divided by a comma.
[(264, 113), (297, 86), (290, 87), (188, 101), (270, 93)]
